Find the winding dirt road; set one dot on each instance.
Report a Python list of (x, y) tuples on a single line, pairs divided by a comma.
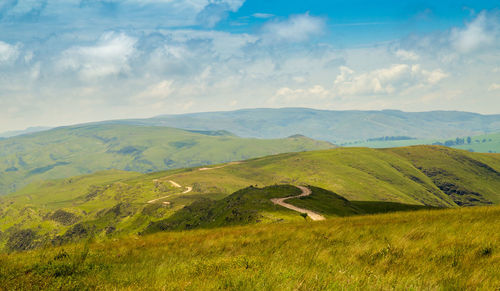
[(305, 192), (176, 185), (278, 201), (218, 167)]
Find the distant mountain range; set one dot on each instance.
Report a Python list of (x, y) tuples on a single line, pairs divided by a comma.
[(28, 130), (332, 126)]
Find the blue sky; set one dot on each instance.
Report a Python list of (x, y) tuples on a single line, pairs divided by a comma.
[(71, 61)]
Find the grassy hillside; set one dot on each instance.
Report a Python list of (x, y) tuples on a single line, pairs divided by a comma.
[(245, 206), (70, 151), (454, 249), (333, 126), (361, 174), (455, 173), (114, 203), (330, 204), (253, 205), (485, 143)]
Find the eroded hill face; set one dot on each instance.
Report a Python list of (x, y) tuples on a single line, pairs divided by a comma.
[(468, 179), (114, 203)]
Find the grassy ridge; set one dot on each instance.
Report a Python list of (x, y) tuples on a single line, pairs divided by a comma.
[(441, 249), (76, 150)]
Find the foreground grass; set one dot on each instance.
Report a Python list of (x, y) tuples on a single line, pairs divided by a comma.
[(437, 249)]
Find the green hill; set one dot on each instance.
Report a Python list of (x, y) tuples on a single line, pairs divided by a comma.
[(345, 181), (76, 150)]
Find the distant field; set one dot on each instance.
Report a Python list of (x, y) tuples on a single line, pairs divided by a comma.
[(486, 143), (454, 249)]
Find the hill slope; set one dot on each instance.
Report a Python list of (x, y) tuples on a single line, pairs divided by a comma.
[(113, 203), (333, 126), (253, 205), (69, 151)]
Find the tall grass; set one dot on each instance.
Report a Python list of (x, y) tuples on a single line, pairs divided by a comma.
[(428, 249)]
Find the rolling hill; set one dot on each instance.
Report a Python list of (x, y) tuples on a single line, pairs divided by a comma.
[(345, 181), (334, 126), (75, 150)]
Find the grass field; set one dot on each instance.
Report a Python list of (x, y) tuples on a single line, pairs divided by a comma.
[(456, 249)]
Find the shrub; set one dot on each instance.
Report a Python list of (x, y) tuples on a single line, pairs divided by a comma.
[(21, 240)]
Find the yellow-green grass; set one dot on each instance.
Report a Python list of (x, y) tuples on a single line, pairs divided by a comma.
[(455, 249)]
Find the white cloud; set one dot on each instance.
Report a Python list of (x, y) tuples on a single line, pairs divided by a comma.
[(494, 87), (215, 11), (19, 8), (386, 80), (479, 33), (8, 53), (434, 76), (110, 56), (35, 71), (262, 15), (285, 94), (407, 55), (296, 28), (158, 91)]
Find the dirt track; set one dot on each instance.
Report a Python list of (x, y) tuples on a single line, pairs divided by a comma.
[(305, 192), (188, 189)]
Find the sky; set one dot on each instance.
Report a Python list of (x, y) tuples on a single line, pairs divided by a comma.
[(72, 61)]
